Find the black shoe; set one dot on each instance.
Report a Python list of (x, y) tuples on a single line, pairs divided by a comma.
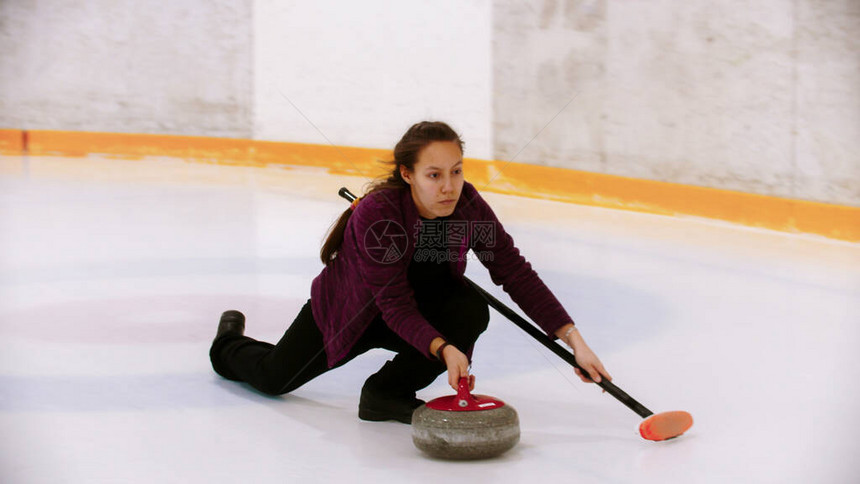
[(376, 407), (231, 322)]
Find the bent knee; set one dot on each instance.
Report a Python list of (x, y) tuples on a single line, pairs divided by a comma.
[(469, 322), (479, 317)]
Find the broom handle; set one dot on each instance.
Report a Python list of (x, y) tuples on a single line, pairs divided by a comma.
[(542, 338), (567, 356), (348, 195)]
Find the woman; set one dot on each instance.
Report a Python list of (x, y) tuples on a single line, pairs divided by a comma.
[(393, 278)]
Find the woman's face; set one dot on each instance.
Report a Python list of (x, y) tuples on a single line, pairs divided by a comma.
[(437, 179)]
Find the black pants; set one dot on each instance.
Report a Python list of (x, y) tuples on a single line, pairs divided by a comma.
[(457, 311)]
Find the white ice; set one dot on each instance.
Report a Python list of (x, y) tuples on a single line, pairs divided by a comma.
[(113, 274)]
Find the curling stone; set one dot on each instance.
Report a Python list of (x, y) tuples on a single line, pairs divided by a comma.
[(465, 426)]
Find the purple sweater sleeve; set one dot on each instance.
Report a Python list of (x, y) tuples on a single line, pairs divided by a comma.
[(387, 281), (509, 269)]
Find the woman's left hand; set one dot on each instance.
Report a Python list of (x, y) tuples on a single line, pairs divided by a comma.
[(587, 360), (591, 364)]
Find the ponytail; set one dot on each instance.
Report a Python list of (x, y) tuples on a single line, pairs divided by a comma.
[(335, 237)]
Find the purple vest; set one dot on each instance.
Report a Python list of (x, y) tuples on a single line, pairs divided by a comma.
[(368, 276)]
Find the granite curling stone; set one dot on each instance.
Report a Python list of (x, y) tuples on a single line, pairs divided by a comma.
[(465, 426)]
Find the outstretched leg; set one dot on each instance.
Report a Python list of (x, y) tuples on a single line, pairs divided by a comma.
[(272, 369)]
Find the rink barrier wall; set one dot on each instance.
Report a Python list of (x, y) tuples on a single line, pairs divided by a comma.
[(534, 181)]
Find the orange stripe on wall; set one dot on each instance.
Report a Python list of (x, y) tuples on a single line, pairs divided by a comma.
[(597, 189), (339, 159), (834, 221), (11, 141)]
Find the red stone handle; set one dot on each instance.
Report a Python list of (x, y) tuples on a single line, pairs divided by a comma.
[(464, 398)]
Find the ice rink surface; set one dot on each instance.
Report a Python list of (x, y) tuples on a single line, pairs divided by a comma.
[(113, 274)]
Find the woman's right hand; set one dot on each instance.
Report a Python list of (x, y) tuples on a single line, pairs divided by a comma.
[(458, 367)]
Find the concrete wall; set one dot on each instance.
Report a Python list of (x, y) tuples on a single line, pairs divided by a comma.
[(172, 67), (360, 73), (758, 96)]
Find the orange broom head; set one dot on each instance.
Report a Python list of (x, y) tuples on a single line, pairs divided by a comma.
[(666, 425)]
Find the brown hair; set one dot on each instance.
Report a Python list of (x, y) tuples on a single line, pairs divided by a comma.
[(416, 138)]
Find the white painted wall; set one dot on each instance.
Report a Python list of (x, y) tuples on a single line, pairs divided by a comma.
[(759, 96), (172, 67), (360, 73)]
